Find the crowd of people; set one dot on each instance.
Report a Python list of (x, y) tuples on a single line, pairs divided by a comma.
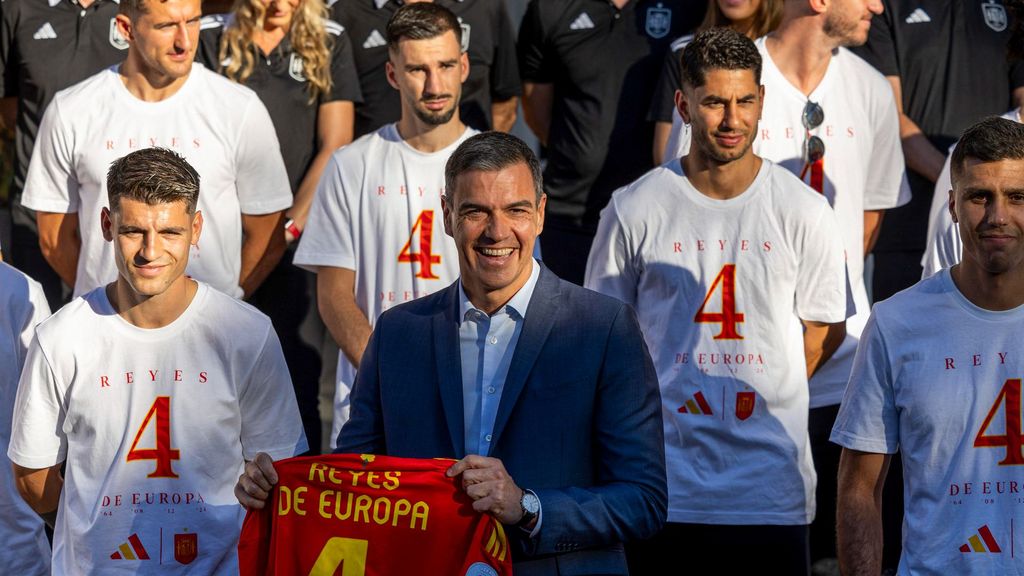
[(748, 307)]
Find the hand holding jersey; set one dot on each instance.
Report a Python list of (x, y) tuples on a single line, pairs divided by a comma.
[(938, 377)]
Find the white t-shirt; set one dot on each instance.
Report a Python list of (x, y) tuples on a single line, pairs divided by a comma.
[(378, 211), (128, 408), (944, 246), (22, 306), (220, 127), (735, 409), (935, 377), (863, 170)]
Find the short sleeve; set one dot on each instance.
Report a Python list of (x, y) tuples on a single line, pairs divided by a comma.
[(37, 437), (821, 274), (678, 138), (943, 245), (886, 184), (344, 77), (269, 413), (535, 63), (880, 49), (868, 420), (505, 81), (261, 180), (208, 52), (328, 239), (52, 184), (664, 100), (610, 266)]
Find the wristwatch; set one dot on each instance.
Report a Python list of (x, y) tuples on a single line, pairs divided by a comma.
[(531, 508)]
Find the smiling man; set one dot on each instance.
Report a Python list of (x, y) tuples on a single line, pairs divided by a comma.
[(158, 97), (544, 390), (153, 390), (938, 377), (374, 234), (739, 284)]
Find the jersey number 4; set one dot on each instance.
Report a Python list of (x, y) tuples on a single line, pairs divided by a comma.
[(1009, 397), (160, 411), (348, 553), (729, 318), (424, 257)]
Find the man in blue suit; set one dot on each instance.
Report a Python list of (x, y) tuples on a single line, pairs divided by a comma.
[(545, 391)]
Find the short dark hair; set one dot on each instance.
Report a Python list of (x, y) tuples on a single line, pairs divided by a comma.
[(718, 49), (153, 176), (132, 8), (421, 21), (491, 152), (990, 140)]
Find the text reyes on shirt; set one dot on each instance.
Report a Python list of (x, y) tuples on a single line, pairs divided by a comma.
[(407, 190), (792, 133), (173, 142), (152, 376), (360, 496), (720, 245), (973, 360)]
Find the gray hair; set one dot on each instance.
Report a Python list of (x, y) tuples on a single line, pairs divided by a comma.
[(491, 152)]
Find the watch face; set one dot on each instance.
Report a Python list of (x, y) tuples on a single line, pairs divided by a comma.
[(530, 503)]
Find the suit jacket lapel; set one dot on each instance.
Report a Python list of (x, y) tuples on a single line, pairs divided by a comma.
[(449, 367), (540, 318)]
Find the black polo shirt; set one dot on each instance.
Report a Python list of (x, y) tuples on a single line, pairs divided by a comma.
[(278, 80), (493, 71), (603, 63), (664, 101), (46, 46), (950, 56)]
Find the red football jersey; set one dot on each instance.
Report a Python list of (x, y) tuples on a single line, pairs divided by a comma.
[(366, 515)]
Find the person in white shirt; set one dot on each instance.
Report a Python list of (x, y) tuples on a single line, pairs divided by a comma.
[(22, 306), (153, 391), (739, 283), (938, 377), (374, 234), (158, 97)]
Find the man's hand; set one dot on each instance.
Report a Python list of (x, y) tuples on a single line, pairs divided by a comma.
[(487, 482), (256, 482)]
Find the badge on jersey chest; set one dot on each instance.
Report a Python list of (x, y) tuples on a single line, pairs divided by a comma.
[(295, 68), (995, 15), (466, 29), (659, 21), (745, 404), (186, 547), (116, 40)]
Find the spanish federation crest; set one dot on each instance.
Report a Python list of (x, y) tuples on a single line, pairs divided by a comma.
[(659, 21), (995, 15), (118, 41), (295, 68)]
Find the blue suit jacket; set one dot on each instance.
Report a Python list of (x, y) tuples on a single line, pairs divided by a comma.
[(579, 421)]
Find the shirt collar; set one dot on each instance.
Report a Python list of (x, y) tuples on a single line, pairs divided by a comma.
[(380, 3), (518, 303)]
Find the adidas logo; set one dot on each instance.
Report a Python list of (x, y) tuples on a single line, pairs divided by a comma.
[(374, 40), (985, 545), (582, 22), (131, 550), (45, 32), (696, 405), (918, 16)]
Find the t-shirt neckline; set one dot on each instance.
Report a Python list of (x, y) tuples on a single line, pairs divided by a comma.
[(179, 324)]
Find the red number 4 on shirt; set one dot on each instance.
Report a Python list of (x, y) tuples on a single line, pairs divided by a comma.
[(1009, 398), (162, 452), (424, 257), (728, 317)]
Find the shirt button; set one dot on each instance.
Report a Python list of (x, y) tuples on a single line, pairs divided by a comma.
[(83, 13), (490, 389), (488, 437), (494, 339)]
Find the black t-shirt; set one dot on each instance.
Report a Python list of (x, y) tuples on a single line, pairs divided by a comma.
[(486, 28), (664, 101), (603, 63), (278, 80), (950, 56), (46, 46)]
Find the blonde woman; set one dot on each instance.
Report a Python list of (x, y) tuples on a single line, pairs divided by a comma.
[(300, 64), (752, 18)]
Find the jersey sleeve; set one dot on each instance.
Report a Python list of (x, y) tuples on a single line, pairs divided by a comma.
[(821, 291), (8, 50), (505, 81), (868, 419), (880, 49), (610, 267), (261, 178), (943, 245), (344, 77), (664, 100), (37, 437), (886, 183), (536, 64), (208, 52), (269, 413), (327, 239), (52, 184)]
